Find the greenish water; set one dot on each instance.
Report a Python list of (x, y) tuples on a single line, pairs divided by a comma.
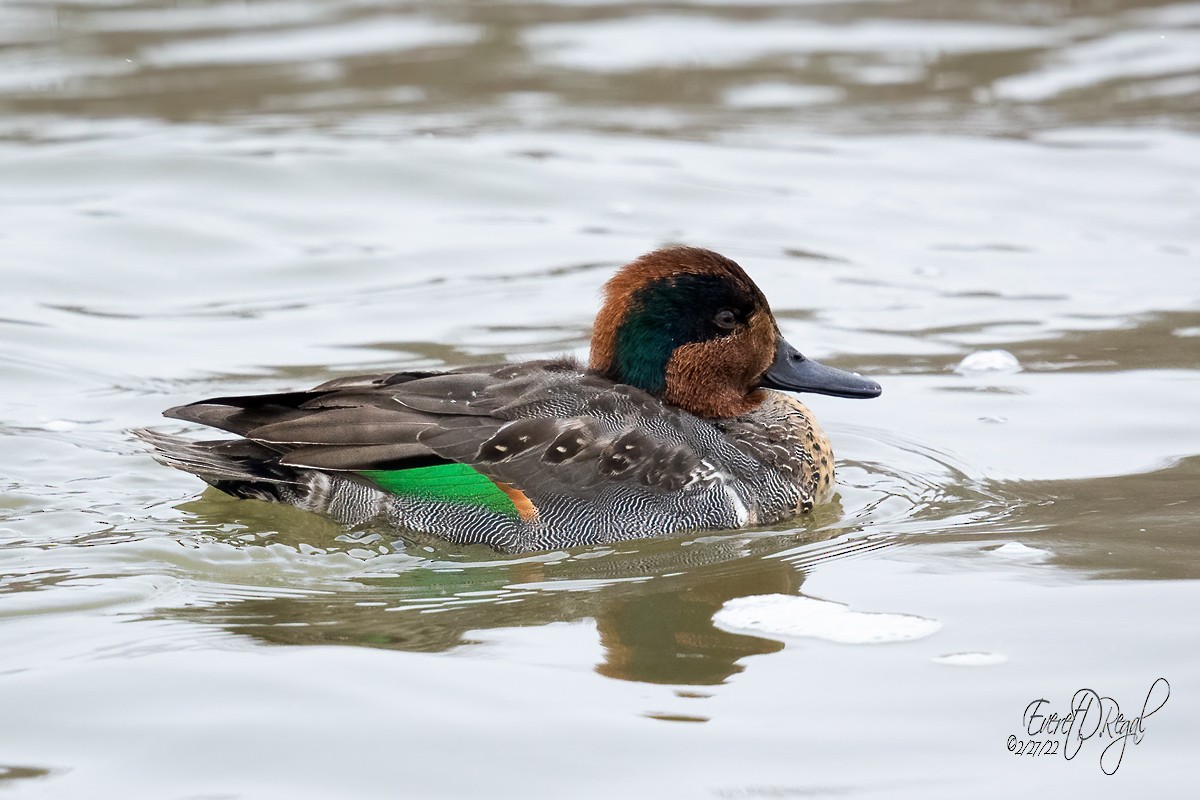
[(225, 197)]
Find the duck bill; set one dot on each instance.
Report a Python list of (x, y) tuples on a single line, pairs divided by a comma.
[(792, 372)]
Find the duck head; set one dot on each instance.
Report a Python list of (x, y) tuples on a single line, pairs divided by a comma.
[(689, 326)]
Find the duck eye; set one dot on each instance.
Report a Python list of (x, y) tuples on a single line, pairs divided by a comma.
[(726, 319)]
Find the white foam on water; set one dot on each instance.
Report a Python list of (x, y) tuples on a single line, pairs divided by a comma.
[(777, 94), (787, 615), (988, 361), (1017, 550)]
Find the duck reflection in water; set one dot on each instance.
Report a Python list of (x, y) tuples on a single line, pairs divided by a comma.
[(652, 600)]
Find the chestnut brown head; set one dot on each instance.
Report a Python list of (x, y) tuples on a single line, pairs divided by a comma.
[(688, 325)]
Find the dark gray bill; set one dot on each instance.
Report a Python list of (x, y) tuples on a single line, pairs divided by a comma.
[(795, 373)]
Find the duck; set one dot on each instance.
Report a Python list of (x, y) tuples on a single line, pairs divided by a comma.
[(683, 420)]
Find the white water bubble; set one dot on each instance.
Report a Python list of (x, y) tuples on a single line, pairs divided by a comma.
[(787, 615), (1023, 552), (983, 361)]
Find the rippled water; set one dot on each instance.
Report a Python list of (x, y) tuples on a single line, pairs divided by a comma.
[(201, 198)]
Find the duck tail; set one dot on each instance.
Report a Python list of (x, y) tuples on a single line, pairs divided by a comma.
[(238, 467)]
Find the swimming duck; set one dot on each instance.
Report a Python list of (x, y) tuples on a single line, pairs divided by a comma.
[(680, 421)]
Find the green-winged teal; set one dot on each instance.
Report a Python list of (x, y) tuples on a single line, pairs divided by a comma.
[(676, 424)]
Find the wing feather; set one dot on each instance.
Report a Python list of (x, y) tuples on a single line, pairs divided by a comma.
[(540, 427)]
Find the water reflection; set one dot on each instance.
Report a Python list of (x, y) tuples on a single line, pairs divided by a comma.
[(652, 601), (668, 636), (1161, 340), (394, 65), (1133, 527), (11, 773), (652, 604)]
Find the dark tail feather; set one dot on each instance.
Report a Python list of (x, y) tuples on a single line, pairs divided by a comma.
[(238, 467)]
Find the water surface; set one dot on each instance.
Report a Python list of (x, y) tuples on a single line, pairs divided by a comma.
[(205, 198)]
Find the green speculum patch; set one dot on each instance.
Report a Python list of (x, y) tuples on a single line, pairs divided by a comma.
[(449, 483)]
